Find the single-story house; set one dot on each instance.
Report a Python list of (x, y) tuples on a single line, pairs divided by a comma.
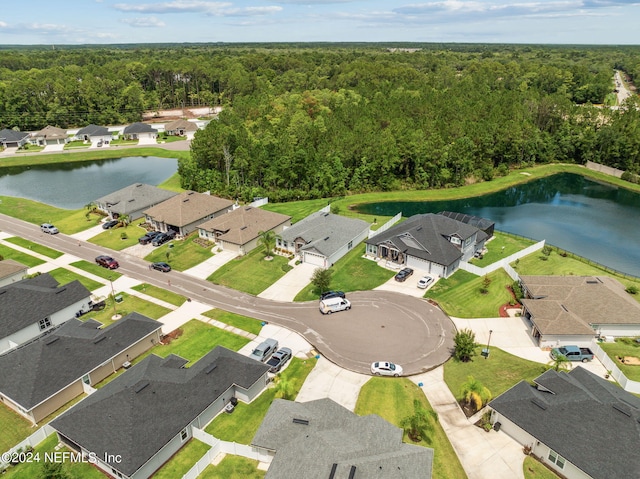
[(321, 439), (139, 131), (94, 134), (576, 309), (429, 242), (50, 135), (323, 238), (132, 200), (42, 376), (181, 127), (238, 230), (578, 424), (139, 420), (183, 213), (10, 272), (13, 139), (31, 307), (483, 224)]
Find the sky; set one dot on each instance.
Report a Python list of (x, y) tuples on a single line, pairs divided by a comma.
[(68, 22)]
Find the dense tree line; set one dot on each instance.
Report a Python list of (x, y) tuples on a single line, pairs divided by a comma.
[(304, 121)]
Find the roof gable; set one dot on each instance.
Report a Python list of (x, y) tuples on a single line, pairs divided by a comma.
[(7, 135), (135, 197), (139, 128), (244, 224), (187, 208), (93, 130), (51, 132), (181, 124)]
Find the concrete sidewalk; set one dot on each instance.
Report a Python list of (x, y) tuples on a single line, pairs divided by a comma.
[(287, 287), (483, 455)]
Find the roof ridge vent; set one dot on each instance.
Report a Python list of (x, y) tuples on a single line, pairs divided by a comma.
[(210, 368), (332, 474), (61, 290), (101, 338), (352, 472), (304, 422), (564, 307), (52, 340), (141, 386), (621, 409), (539, 403)]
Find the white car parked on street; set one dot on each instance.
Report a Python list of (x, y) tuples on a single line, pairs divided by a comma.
[(382, 368)]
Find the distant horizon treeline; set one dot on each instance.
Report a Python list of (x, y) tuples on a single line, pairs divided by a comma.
[(310, 120)]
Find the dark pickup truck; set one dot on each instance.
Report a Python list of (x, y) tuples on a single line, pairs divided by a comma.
[(572, 353)]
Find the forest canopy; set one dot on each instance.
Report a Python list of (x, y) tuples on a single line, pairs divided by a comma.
[(305, 121)]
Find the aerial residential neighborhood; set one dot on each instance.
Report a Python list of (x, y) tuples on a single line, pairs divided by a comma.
[(341, 261)]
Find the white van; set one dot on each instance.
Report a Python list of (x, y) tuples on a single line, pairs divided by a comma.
[(331, 305)]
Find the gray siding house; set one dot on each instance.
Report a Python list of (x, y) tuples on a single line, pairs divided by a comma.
[(133, 200), (321, 439), (429, 242), (323, 238), (40, 377), (94, 134), (139, 131), (13, 139), (580, 425), (31, 307), (151, 410)]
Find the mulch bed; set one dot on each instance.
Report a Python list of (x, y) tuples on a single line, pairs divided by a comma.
[(175, 334), (503, 309)]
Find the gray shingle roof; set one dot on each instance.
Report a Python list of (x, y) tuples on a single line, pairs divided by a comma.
[(425, 237), (35, 371), (128, 418), (335, 435), (134, 198), (28, 301), (9, 136), (591, 422), (325, 233), (139, 128), (477, 221), (93, 130)]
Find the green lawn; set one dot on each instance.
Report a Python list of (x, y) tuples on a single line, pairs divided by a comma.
[(351, 273), (159, 293), (243, 424), (237, 320), (14, 428), (250, 273), (233, 467), (533, 469), (97, 270), (64, 276), (184, 254), (501, 246), (31, 470), (459, 295), (26, 259), (498, 373), (392, 399), (112, 238), (555, 264), (128, 305), (172, 184), (297, 209), (183, 460), (624, 347), (35, 247)]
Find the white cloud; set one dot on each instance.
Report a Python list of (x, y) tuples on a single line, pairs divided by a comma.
[(144, 22)]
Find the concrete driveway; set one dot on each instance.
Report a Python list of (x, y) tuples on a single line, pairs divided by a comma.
[(408, 286), (287, 287), (204, 269), (88, 233)]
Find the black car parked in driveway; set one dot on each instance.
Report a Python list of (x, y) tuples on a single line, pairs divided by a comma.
[(162, 238), (148, 237), (109, 224), (332, 294), (403, 274)]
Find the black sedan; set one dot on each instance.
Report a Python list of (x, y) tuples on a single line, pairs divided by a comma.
[(148, 237), (332, 294), (403, 274), (164, 267), (109, 224)]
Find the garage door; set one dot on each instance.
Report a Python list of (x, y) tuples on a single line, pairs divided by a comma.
[(314, 259), (427, 266)]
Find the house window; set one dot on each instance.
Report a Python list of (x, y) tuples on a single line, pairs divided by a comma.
[(557, 459), (455, 240), (86, 379), (183, 435), (350, 245), (44, 324)]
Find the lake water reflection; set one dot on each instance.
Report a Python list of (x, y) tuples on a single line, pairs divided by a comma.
[(73, 185), (594, 220)]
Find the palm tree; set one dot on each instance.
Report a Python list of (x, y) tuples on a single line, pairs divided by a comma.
[(560, 363), (475, 394), (284, 388), (419, 425), (268, 240)]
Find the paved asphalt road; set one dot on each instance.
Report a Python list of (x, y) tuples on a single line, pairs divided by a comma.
[(381, 326)]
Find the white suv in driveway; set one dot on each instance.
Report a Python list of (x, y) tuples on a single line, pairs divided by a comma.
[(49, 228)]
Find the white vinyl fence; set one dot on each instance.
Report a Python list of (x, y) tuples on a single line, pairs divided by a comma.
[(503, 263), (386, 226), (33, 440), (616, 373)]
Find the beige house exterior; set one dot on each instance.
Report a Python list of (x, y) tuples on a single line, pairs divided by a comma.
[(181, 127), (576, 309), (50, 135), (11, 271), (239, 230), (185, 212)]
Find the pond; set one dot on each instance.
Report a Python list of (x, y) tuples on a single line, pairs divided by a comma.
[(595, 220), (73, 185)]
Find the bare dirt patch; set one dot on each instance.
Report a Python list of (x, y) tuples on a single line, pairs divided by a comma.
[(630, 361)]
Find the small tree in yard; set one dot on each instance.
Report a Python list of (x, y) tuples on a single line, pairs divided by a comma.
[(560, 363), (267, 239), (486, 281), (465, 345), (475, 394), (419, 425), (284, 388), (321, 279)]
